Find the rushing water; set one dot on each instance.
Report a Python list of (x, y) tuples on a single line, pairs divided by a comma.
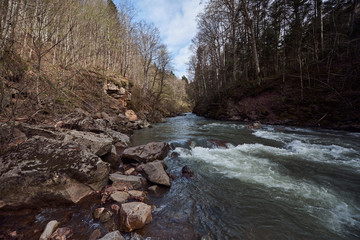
[(272, 183)]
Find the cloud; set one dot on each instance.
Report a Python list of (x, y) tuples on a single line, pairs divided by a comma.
[(176, 20)]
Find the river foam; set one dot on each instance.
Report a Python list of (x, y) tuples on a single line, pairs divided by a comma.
[(251, 164)]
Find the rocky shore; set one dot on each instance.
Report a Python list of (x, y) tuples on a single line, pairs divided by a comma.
[(81, 156)]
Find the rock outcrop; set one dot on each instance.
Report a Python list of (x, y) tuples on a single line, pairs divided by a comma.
[(44, 170), (134, 215), (147, 153)]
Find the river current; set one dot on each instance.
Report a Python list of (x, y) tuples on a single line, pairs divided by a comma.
[(273, 183)]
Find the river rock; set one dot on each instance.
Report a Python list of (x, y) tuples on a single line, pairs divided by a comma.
[(62, 233), (134, 215), (96, 234), (135, 182), (129, 171), (113, 236), (105, 216), (42, 170), (97, 213), (49, 229), (120, 197), (255, 125), (147, 153), (186, 172), (155, 173), (99, 144)]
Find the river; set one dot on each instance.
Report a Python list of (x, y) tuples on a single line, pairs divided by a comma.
[(272, 183)]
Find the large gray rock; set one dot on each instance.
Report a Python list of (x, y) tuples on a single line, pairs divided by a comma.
[(43, 170), (113, 236), (134, 215), (147, 153), (155, 173), (135, 182), (118, 137), (98, 144)]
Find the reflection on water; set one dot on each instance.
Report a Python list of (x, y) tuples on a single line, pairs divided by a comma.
[(272, 183)]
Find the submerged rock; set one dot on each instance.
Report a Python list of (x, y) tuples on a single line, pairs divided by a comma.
[(134, 215), (155, 173), (186, 172), (147, 153), (43, 170)]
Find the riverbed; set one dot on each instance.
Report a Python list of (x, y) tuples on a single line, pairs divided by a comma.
[(277, 182)]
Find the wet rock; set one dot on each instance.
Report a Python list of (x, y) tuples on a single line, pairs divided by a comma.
[(105, 216), (174, 154), (96, 234), (113, 236), (135, 182), (63, 233), (112, 158), (255, 125), (186, 172), (99, 144), (56, 171), (147, 153), (120, 197), (155, 173), (49, 229), (97, 213), (115, 208), (134, 215), (130, 114)]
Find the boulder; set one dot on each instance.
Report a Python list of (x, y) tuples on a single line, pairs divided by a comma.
[(43, 170), (113, 236), (255, 125), (134, 215), (34, 130), (118, 137), (99, 144), (130, 115), (135, 182), (155, 173), (147, 153), (120, 197), (49, 229)]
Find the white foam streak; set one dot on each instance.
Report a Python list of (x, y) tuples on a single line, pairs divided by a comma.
[(244, 162)]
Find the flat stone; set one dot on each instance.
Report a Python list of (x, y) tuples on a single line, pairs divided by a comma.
[(147, 153), (120, 197), (137, 194), (135, 181)]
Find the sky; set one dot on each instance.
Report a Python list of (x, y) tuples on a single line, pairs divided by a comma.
[(176, 21)]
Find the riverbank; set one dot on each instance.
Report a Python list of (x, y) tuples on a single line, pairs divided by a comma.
[(279, 103), (78, 172)]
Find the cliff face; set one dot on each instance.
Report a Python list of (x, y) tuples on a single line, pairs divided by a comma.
[(278, 102)]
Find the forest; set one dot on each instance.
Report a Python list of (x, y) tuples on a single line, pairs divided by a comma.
[(59, 54), (298, 60)]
